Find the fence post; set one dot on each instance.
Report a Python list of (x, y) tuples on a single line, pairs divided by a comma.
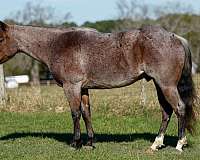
[(143, 93), (3, 95)]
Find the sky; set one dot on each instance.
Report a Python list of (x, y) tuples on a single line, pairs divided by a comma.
[(82, 10)]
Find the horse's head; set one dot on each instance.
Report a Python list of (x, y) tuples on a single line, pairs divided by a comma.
[(8, 46)]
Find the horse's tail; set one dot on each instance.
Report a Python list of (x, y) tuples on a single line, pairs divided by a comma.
[(186, 88)]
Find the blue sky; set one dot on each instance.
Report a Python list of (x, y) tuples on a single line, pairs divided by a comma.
[(82, 10)]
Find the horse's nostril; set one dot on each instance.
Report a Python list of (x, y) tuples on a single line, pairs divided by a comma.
[(1, 39)]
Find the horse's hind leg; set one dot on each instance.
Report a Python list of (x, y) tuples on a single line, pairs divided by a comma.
[(166, 115), (73, 94), (86, 114), (173, 98)]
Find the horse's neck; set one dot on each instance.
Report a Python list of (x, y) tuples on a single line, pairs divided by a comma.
[(34, 41)]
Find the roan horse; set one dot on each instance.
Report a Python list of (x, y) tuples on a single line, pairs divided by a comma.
[(82, 59)]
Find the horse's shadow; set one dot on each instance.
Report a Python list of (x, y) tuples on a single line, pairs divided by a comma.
[(99, 137)]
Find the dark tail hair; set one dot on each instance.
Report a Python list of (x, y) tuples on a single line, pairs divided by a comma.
[(186, 88)]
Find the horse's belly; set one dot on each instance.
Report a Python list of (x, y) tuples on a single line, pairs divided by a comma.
[(111, 82)]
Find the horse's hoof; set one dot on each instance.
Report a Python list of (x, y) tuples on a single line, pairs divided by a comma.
[(76, 144), (158, 143), (157, 147), (179, 148), (181, 143), (89, 147), (154, 148)]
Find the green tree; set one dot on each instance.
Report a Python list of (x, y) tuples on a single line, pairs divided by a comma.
[(69, 24), (105, 26)]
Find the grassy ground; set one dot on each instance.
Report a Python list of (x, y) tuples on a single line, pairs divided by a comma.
[(37, 125)]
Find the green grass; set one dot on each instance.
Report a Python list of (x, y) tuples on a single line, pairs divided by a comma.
[(48, 135), (38, 125)]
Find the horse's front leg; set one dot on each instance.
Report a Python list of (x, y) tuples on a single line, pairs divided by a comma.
[(73, 94), (86, 114)]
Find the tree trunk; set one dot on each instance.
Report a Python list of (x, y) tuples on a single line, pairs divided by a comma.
[(3, 96)]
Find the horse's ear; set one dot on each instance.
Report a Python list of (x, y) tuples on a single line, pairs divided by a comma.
[(3, 26)]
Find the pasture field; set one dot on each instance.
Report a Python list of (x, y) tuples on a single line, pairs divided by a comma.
[(37, 125)]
